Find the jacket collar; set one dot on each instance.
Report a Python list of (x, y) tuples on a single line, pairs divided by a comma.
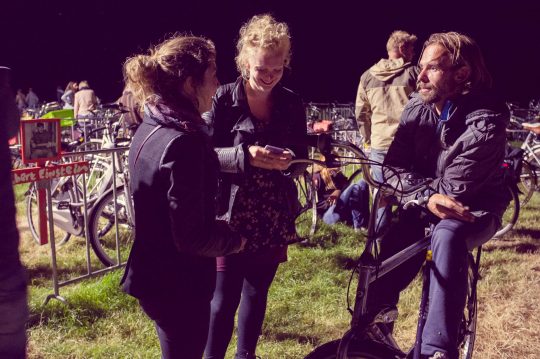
[(239, 97)]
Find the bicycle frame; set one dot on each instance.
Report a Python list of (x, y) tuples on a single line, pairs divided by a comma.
[(530, 149), (372, 268), (369, 270)]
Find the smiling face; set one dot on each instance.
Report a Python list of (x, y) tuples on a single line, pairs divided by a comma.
[(265, 68), (438, 78)]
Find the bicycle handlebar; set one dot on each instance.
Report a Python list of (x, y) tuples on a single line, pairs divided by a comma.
[(324, 143)]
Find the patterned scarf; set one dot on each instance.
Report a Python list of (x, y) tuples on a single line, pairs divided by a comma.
[(185, 119)]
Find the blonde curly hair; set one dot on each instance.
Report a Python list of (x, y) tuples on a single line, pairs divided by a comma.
[(262, 32)]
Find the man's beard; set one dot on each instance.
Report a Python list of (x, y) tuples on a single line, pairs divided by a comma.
[(437, 93)]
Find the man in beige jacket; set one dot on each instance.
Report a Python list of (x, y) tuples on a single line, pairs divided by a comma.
[(382, 94)]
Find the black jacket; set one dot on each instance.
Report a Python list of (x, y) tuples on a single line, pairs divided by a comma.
[(464, 155), (173, 179), (232, 126)]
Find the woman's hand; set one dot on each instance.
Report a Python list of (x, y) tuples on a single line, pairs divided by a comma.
[(446, 207), (332, 199), (262, 158), (242, 244), (533, 127)]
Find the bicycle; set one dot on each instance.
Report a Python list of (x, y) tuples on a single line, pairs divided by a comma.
[(109, 185), (328, 152), (529, 150), (365, 339)]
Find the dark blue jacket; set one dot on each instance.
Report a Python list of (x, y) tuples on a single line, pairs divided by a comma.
[(464, 155), (173, 180)]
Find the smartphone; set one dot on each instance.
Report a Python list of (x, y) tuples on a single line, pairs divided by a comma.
[(274, 149)]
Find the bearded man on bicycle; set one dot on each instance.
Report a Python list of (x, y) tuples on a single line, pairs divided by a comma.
[(453, 131)]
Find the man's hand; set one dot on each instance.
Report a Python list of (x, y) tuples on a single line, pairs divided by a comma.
[(262, 158), (446, 207)]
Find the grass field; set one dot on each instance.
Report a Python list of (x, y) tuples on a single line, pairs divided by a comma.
[(307, 304)]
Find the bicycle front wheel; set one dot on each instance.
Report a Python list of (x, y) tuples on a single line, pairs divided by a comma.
[(357, 350), (109, 221), (61, 236)]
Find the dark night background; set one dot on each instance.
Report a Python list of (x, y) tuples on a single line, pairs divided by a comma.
[(48, 43)]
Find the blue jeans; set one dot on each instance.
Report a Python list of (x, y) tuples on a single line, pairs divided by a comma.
[(13, 316), (247, 286), (352, 206), (383, 213), (376, 170), (451, 241)]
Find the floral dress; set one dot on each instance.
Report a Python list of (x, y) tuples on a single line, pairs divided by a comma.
[(261, 212)]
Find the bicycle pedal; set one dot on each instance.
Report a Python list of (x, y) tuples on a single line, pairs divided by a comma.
[(381, 334), (63, 205), (387, 315)]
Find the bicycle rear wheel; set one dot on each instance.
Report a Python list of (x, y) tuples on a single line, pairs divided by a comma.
[(357, 350), (511, 215), (102, 227), (467, 330)]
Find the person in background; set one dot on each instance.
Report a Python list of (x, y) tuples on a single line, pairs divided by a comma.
[(341, 201), (173, 170), (13, 296), (85, 100), (20, 100), (383, 91), (130, 120), (68, 97), (59, 93), (32, 100), (254, 196)]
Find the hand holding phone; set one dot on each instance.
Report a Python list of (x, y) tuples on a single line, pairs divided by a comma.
[(274, 149)]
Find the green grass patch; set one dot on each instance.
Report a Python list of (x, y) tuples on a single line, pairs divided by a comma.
[(307, 304)]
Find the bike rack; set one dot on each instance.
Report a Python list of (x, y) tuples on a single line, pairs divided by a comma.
[(90, 272)]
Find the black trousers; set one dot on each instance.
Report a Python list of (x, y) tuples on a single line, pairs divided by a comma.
[(181, 323)]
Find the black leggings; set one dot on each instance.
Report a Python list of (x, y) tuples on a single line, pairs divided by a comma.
[(247, 286)]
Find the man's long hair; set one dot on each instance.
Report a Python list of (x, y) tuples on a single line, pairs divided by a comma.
[(463, 50)]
